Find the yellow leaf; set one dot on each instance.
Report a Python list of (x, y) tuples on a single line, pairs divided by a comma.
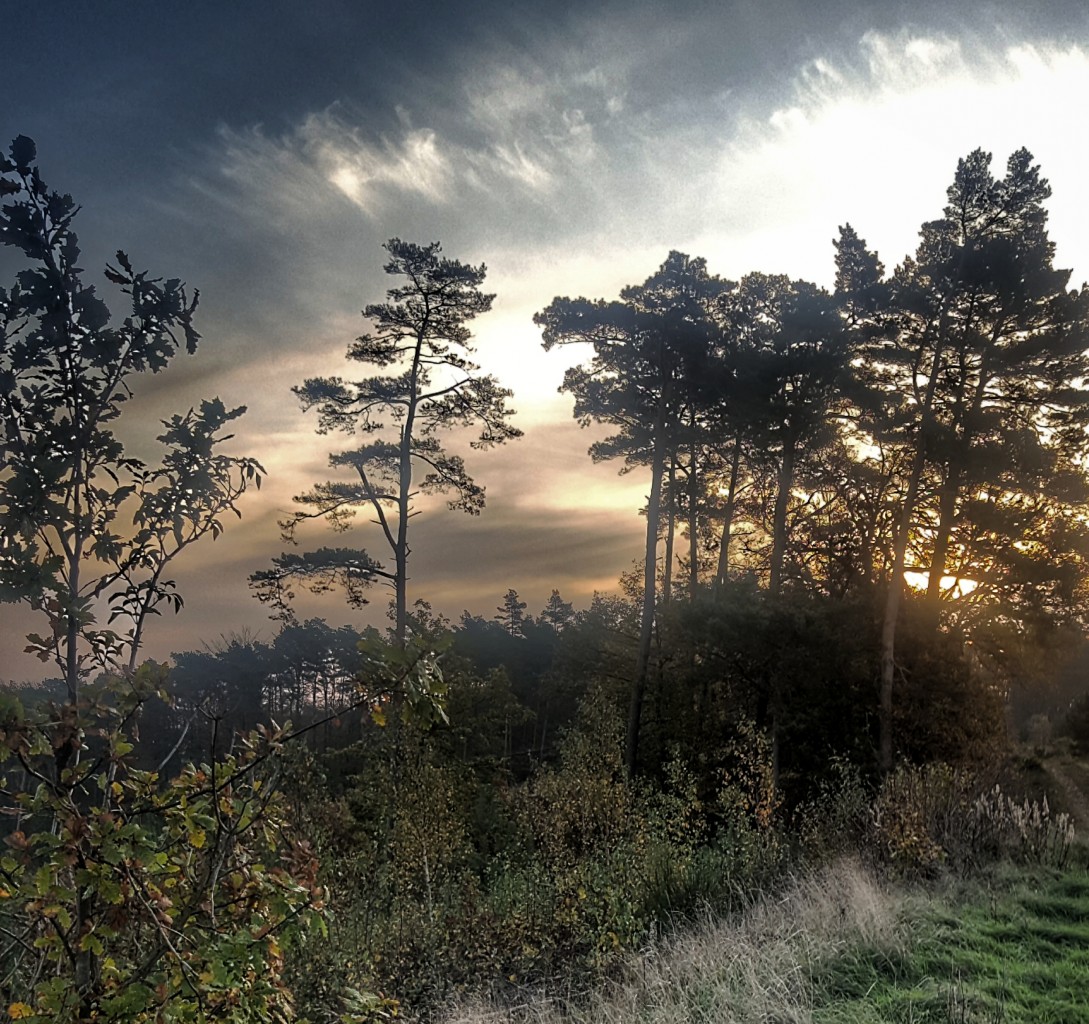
[(19, 1010), (197, 838)]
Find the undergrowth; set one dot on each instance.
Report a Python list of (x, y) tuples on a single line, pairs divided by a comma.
[(839, 947), (482, 887)]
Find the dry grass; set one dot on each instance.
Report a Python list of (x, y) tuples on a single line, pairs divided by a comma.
[(758, 966)]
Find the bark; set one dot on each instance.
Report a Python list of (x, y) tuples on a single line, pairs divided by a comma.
[(723, 568), (671, 530), (646, 627), (892, 612), (693, 524), (775, 584), (404, 497), (896, 582), (946, 513), (779, 530)]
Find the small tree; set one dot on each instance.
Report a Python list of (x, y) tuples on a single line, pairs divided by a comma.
[(420, 336), (511, 613), (67, 486), (122, 897)]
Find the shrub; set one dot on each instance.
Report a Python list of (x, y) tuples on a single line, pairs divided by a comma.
[(912, 806), (1025, 832), (836, 819), (927, 816), (128, 898)]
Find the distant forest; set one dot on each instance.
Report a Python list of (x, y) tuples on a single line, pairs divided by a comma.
[(864, 578)]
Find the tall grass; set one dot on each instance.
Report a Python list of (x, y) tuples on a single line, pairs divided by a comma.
[(837, 947), (760, 964)]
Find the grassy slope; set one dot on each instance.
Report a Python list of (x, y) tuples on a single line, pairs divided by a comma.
[(1016, 950), (1012, 949), (840, 948)]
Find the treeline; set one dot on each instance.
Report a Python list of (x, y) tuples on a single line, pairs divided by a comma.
[(927, 425), (510, 693)]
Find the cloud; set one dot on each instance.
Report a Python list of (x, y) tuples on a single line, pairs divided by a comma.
[(572, 169), (413, 163), (514, 128), (567, 179), (875, 140)]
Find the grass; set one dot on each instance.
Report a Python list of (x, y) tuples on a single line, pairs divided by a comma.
[(840, 948), (1013, 950)]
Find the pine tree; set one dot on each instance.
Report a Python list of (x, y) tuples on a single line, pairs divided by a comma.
[(511, 613), (432, 386)]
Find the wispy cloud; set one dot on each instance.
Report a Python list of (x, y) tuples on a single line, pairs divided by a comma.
[(414, 163)]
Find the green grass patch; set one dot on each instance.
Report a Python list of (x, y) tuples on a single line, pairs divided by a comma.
[(1014, 950)]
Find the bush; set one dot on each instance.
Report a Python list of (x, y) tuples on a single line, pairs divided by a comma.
[(932, 815), (1024, 832), (836, 820), (466, 882), (134, 899)]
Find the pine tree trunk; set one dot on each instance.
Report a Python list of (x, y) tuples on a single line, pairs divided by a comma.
[(892, 612), (723, 568), (693, 525), (899, 562), (646, 625), (671, 529), (946, 513), (779, 528)]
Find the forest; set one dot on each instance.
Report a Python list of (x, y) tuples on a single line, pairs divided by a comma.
[(863, 590)]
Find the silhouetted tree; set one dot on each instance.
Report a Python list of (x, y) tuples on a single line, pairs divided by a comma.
[(81, 522), (558, 612), (511, 613), (975, 366), (645, 348), (800, 363), (222, 691), (420, 336)]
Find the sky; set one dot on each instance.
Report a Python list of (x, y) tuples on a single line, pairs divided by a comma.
[(264, 151)]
